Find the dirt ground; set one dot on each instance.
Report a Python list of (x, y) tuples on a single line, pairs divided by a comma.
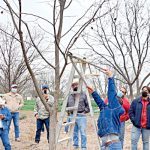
[(28, 128)]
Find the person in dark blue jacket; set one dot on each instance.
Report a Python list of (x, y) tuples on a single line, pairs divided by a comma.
[(109, 118), (5, 116), (139, 114)]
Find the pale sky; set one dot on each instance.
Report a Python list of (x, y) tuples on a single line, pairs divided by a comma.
[(43, 9)]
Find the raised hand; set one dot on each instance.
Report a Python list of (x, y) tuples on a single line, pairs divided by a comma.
[(90, 89), (107, 72)]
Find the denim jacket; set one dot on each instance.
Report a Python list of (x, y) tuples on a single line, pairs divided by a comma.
[(6, 113), (136, 111), (109, 118)]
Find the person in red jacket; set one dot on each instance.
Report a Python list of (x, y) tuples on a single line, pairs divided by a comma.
[(124, 117)]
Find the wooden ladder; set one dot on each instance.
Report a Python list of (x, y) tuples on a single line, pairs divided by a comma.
[(81, 76)]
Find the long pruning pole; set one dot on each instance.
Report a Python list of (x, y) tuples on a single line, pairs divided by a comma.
[(84, 60)]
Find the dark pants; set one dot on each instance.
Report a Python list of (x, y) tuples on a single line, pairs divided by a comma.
[(5, 139), (39, 125)]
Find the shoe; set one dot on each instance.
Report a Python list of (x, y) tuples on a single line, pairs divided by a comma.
[(37, 142), (76, 147), (17, 139)]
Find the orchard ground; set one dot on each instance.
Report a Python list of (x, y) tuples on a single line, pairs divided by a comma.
[(28, 129)]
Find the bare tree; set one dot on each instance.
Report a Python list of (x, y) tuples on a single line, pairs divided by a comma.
[(12, 66), (59, 7), (121, 41)]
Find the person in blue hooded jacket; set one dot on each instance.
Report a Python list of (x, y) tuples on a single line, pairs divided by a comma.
[(5, 116), (109, 118)]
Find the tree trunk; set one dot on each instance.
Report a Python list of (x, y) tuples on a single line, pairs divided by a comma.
[(53, 117)]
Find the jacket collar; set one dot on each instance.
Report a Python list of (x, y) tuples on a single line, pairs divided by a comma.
[(139, 99), (10, 94)]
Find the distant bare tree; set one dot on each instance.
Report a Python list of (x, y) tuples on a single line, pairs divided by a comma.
[(12, 66), (121, 41)]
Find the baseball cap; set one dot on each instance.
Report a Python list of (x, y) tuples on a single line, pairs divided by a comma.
[(75, 82), (45, 86), (13, 85)]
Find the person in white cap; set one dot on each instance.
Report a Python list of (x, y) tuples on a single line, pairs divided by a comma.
[(14, 102), (5, 116), (81, 121)]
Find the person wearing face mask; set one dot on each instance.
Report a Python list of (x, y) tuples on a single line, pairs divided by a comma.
[(41, 114), (5, 116), (14, 102), (109, 118), (139, 114), (81, 122), (121, 94)]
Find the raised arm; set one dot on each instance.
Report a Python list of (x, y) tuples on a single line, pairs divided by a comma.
[(100, 103), (112, 94)]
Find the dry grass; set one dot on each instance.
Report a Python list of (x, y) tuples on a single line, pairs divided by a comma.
[(28, 128)]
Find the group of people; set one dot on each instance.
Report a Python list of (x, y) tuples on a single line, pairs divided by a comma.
[(9, 110), (10, 105), (114, 111)]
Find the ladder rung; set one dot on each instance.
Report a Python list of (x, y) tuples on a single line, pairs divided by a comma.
[(75, 92), (87, 75), (65, 139), (72, 108), (68, 123)]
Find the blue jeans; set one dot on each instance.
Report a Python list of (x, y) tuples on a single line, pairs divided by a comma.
[(5, 139), (135, 135), (122, 131), (42, 128), (113, 146), (15, 117), (80, 125), (39, 124)]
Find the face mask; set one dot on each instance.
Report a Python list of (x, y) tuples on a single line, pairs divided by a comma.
[(45, 91), (144, 94), (14, 90), (119, 94), (75, 89)]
